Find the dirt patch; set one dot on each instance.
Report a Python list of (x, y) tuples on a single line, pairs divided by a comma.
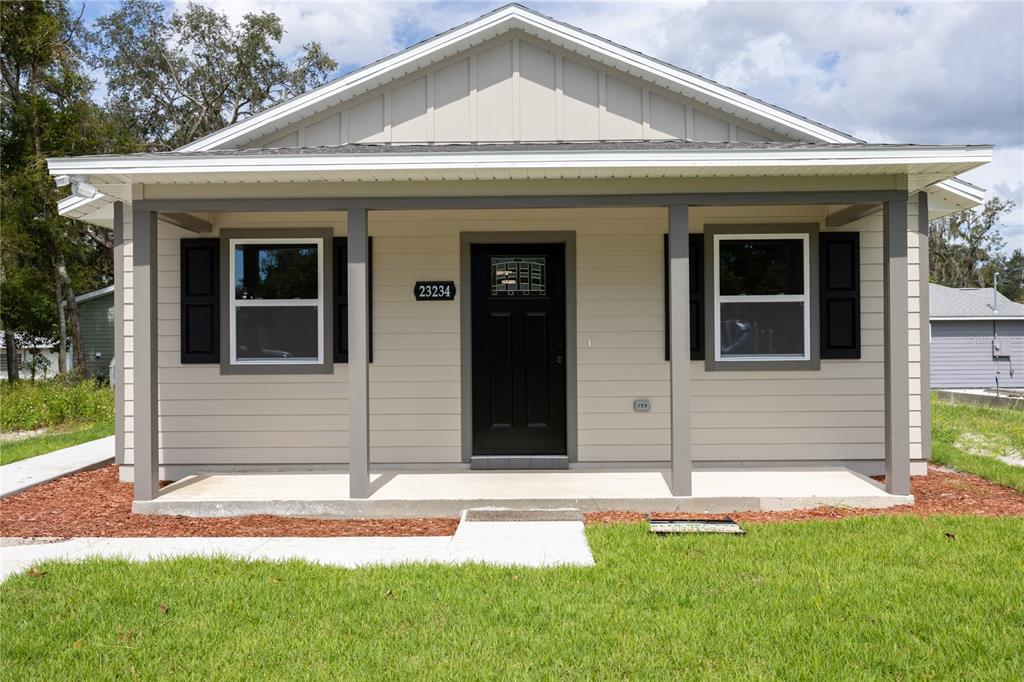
[(95, 504), (14, 436), (942, 491)]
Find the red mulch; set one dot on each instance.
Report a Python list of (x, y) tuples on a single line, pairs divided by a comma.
[(95, 504), (940, 492)]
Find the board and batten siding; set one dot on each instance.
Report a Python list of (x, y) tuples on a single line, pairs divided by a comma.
[(961, 354), (510, 89), (835, 415)]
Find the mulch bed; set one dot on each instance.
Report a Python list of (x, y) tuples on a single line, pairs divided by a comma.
[(942, 491), (95, 504)]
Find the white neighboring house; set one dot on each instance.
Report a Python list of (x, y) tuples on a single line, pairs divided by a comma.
[(518, 245), (32, 348), (977, 339)]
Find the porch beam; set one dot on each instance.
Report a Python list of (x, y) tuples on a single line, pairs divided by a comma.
[(849, 214), (896, 355), (681, 478), (257, 205), (144, 354), (358, 355), (186, 221)]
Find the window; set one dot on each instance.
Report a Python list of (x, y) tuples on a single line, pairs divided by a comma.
[(762, 301), (518, 276), (277, 301)]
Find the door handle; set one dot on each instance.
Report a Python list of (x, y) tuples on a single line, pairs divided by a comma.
[(559, 359)]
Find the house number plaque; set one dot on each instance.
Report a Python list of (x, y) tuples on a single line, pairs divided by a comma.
[(434, 291)]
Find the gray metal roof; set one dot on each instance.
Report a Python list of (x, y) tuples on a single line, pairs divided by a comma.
[(946, 302), (485, 147)]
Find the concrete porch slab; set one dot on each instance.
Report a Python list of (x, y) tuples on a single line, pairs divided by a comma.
[(405, 494)]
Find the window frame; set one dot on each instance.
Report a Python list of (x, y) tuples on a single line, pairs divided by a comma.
[(324, 362), (810, 360)]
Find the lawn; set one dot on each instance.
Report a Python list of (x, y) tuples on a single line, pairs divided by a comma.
[(865, 598), (971, 438), (48, 442), (72, 412)]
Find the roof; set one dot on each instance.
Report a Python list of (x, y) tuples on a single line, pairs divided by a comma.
[(562, 146), (946, 303), (98, 293), (924, 165)]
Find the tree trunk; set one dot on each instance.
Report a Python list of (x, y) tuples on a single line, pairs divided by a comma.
[(12, 355), (76, 332), (62, 353)]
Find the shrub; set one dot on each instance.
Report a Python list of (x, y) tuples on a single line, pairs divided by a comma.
[(56, 402)]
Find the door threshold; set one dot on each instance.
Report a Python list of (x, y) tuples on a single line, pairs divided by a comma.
[(506, 462)]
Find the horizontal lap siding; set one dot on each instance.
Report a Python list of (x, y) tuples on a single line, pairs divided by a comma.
[(415, 390), (835, 413), (961, 354)]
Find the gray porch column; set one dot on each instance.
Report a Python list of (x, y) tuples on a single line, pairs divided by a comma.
[(144, 351), (679, 348), (924, 313), (119, 374), (897, 363), (358, 356)]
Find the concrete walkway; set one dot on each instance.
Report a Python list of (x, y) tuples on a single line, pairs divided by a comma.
[(533, 544), (17, 476)]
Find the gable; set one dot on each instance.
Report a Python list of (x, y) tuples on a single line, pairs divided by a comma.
[(510, 89)]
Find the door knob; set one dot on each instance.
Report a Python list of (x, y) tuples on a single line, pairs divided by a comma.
[(558, 360)]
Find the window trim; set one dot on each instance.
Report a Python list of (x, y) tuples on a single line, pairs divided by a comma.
[(811, 359), (324, 364)]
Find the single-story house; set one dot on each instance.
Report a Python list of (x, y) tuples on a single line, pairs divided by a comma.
[(518, 245), (977, 339), (36, 348), (96, 318)]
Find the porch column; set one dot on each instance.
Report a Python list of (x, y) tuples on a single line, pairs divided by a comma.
[(119, 372), (679, 347), (144, 354), (924, 308), (897, 364), (358, 356)]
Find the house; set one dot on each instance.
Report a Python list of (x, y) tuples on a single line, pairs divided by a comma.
[(518, 245), (977, 339), (96, 319), (41, 351)]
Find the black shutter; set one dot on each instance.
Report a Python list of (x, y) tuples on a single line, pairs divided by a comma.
[(840, 295), (341, 298), (696, 298), (200, 305)]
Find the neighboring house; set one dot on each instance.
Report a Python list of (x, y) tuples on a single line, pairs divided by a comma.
[(977, 339), (96, 318), (520, 245), (45, 369)]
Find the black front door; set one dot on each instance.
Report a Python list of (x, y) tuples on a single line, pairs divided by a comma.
[(518, 302)]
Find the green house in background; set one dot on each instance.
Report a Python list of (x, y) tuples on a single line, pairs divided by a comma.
[(96, 311)]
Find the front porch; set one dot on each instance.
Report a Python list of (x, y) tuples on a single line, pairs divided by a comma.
[(399, 494)]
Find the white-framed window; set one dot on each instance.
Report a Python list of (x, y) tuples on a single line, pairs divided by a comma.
[(276, 314), (762, 303)]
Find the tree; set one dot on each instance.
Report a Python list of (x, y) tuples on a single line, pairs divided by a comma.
[(966, 247), (174, 80), (45, 110), (1011, 277)]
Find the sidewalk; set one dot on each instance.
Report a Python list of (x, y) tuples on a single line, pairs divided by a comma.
[(535, 544), (17, 476)]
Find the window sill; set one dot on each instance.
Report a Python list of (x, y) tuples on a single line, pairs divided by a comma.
[(712, 365), (278, 369)]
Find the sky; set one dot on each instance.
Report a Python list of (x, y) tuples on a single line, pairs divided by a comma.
[(905, 72)]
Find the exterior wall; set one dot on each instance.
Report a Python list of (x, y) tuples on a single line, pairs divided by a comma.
[(961, 354), (24, 356), (515, 88), (97, 320), (834, 415)]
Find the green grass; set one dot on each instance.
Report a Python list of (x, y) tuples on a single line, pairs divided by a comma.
[(48, 442), (971, 437), (54, 403), (867, 598)]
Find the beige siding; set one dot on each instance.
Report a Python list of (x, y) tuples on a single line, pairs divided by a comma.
[(515, 88), (760, 416)]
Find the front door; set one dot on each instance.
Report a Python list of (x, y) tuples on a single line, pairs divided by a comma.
[(518, 309)]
